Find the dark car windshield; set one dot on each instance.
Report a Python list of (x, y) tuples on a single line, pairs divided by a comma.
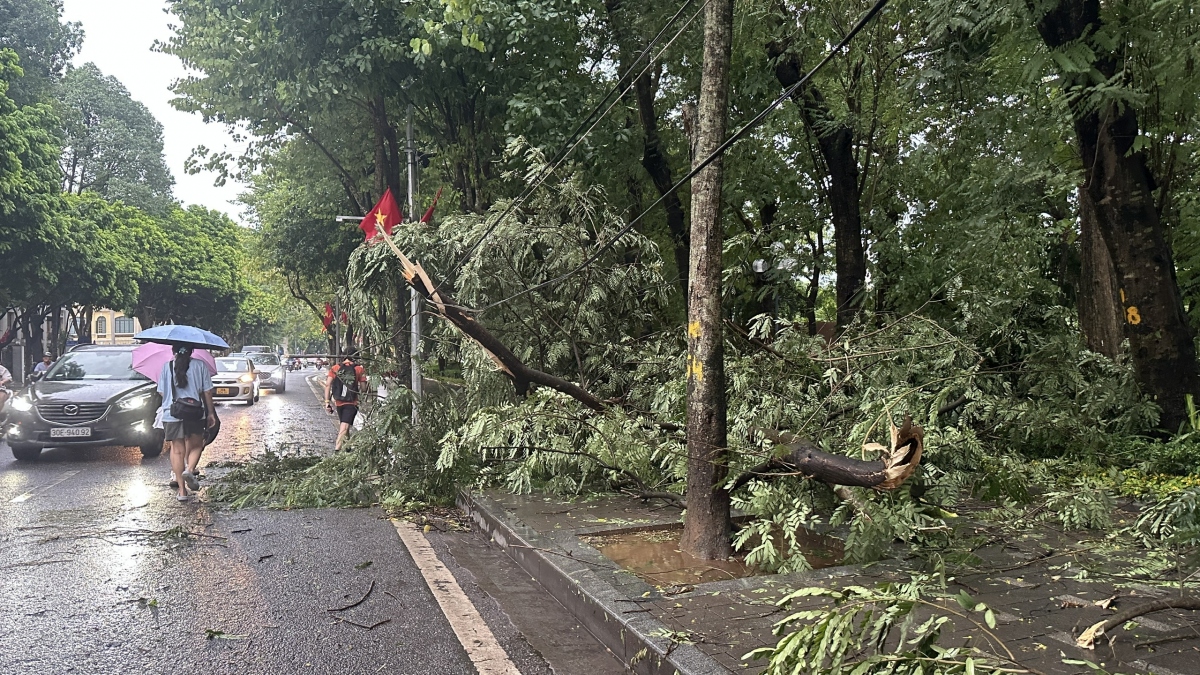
[(95, 365), (232, 365), (264, 359)]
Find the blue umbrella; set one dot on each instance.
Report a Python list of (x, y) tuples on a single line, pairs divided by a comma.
[(178, 334)]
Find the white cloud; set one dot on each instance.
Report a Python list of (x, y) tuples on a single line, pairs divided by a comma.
[(118, 36)]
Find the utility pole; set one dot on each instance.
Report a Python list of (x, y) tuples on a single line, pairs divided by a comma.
[(414, 342)]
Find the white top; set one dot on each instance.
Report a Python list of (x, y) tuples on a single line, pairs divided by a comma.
[(198, 381)]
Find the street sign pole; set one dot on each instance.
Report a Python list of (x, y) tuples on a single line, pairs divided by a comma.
[(414, 297)]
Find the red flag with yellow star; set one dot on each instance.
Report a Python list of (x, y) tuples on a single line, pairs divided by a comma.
[(385, 216)]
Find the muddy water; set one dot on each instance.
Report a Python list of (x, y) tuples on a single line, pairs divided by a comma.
[(654, 556)]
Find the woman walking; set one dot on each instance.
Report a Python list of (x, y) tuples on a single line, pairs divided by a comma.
[(187, 411)]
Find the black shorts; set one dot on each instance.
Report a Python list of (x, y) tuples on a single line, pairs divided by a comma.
[(177, 431), (347, 413)]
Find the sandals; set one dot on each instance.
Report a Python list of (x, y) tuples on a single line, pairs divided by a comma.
[(183, 498), (191, 481)]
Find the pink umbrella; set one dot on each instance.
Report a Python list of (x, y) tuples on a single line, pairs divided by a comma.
[(150, 357)]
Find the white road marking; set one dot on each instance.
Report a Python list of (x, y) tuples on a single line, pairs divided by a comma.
[(36, 491), (474, 635)]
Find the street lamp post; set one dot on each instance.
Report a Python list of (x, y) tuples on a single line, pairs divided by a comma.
[(414, 297)]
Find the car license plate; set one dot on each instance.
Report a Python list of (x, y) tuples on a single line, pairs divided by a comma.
[(71, 432), (222, 391)]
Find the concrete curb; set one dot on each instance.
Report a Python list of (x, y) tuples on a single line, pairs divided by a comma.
[(637, 639)]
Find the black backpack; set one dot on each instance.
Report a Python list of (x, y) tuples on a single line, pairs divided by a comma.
[(345, 385)]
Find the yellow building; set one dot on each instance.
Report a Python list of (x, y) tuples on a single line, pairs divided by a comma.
[(110, 327)]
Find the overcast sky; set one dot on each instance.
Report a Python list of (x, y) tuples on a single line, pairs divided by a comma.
[(118, 35)]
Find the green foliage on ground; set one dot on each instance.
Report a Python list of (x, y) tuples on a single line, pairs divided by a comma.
[(890, 630), (392, 463)]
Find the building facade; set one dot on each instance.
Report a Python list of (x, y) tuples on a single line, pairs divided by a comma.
[(111, 327)]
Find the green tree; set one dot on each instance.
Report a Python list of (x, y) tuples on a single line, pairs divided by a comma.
[(112, 144), (193, 274), (34, 30), (29, 193)]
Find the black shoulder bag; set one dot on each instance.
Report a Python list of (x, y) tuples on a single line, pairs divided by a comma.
[(185, 409)]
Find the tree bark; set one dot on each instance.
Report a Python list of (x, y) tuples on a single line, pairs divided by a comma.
[(654, 158), (835, 140), (706, 527), (1099, 299), (1121, 187), (804, 458)]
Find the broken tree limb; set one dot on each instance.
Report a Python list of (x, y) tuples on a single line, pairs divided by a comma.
[(1130, 613), (806, 459), (1088, 639), (521, 375)]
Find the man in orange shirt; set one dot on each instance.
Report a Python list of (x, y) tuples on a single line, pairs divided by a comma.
[(344, 384)]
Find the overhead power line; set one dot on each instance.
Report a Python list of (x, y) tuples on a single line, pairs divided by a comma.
[(590, 122), (737, 136)]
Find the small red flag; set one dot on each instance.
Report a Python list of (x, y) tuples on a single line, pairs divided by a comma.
[(343, 318), (328, 318), (429, 214), (386, 215)]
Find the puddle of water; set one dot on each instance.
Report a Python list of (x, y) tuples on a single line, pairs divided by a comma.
[(654, 556)]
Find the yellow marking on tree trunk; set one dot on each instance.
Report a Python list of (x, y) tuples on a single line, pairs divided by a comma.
[(694, 329), (694, 368), (1132, 316)]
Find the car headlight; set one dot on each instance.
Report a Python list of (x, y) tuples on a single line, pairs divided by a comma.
[(22, 404), (134, 402), (246, 378)]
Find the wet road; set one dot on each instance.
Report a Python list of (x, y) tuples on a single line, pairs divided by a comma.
[(95, 576)]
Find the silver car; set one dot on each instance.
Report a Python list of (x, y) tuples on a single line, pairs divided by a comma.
[(272, 374), (235, 380)]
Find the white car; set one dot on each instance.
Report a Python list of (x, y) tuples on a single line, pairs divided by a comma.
[(236, 380), (272, 374)]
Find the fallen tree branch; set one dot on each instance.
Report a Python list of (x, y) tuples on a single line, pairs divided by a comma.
[(1088, 639), (804, 458), (521, 375), (1149, 608)]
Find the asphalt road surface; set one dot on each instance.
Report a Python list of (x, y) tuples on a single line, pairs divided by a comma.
[(97, 575)]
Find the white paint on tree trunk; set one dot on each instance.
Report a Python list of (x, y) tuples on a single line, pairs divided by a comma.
[(481, 645)]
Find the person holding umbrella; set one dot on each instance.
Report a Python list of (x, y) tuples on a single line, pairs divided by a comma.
[(185, 384), (187, 412)]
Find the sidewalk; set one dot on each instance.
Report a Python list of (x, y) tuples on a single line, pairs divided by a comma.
[(1042, 596)]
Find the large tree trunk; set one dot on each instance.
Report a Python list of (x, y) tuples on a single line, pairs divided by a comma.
[(706, 528), (1099, 300), (835, 140), (654, 158), (387, 148), (1121, 188)]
